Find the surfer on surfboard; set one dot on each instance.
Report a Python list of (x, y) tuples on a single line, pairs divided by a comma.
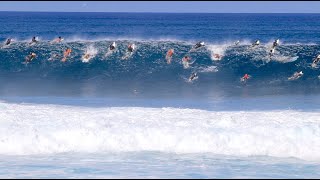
[(197, 45), (169, 55), (66, 54), (131, 48), (112, 46), (256, 43), (58, 40), (8, 41), (316, 60), (275, 43), (193, 76), (185, 62), (30, 57), (245, 78), (33, 40), (129, 52), (296, 75), (271, 52)]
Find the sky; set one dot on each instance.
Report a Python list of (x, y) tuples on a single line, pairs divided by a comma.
[(165, 6)]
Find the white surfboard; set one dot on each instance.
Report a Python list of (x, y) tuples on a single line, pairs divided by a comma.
[(168, 59), (185, 64), (195, 78), (294, 77), (109, 52), (127, 55)]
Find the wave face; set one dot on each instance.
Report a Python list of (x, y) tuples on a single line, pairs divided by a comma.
[(146, 70), (146, 73), (28, 129)]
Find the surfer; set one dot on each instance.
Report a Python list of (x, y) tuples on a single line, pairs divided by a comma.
[(30, 57), (237, 43), (185, 61), (275, 43), (66, 53), (245, 78), (131, 47), (33, 40), (112, 46), (8, 41), (316, 60), (169, 55), (129, 52), (217, 56), (58, 40), (271, 52), (296, 75), (86, 56), (198, 45), (256, 43), (193, 76)]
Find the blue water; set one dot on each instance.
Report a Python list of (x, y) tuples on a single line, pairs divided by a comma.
[(38, 98)]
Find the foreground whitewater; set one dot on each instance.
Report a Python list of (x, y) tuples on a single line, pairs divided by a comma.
[(31, 129)]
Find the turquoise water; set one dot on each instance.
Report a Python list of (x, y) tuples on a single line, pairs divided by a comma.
[(155, 165)]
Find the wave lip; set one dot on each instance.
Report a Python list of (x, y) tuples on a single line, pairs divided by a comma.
[(47, 129)]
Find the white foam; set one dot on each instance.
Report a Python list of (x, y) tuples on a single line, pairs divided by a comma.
[(27, 129), (209, 69), (217, 49), (92, 51), (284, 59), (123, 38)]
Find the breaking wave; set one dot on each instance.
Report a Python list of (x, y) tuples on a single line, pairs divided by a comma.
[(47, 129)]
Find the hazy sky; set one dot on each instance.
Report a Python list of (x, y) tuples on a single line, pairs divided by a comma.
[(165, 6)]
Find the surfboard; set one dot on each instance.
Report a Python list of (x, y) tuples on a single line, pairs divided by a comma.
[(127, 55), (195, 78), (294, 78), (313, 65), (185, 64), (242, 80), (5, 46), (64, 59), (109, 52), (168, 59), (32, 44), (191, 50)]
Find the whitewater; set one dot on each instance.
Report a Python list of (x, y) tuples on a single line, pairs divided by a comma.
[(28, 129)]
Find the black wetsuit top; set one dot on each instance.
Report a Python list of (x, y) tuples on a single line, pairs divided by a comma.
[(197, 45), (274, 44), (193, 76), (8, 42), (34, 40)]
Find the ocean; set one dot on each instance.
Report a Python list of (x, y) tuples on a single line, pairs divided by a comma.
[(133, 115)]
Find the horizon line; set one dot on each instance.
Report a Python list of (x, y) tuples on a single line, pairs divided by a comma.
[(166, 12)]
